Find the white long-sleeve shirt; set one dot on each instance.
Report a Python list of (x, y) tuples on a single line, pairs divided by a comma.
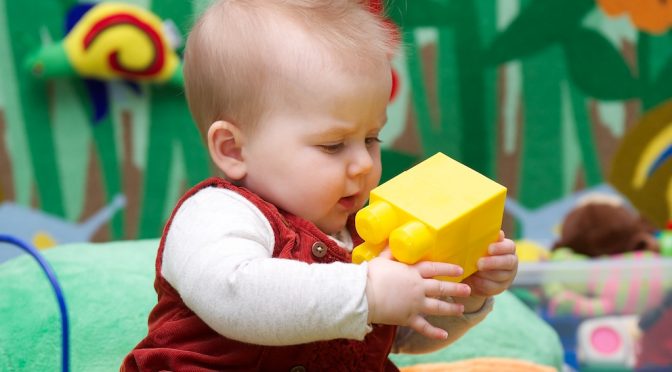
[(218, 256)]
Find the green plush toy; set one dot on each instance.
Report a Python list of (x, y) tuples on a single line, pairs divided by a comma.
[(109, 292), (627, 283)]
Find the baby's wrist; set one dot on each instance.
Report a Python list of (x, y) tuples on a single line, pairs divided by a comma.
[(472, 304)]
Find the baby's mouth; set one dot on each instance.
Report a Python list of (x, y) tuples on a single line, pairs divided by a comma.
[(348, 202)]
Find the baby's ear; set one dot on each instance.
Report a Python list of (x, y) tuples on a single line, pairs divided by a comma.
[(225, 142)]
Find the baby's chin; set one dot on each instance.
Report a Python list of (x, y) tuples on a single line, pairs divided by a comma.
[(331, 228)]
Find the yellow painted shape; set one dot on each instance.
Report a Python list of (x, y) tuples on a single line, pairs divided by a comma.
[(652, 150), (439, 210), (529, 251), (134, 47), (43, 240)]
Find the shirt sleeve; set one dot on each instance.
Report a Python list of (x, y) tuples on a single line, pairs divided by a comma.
[(411, 342), (218, 257)]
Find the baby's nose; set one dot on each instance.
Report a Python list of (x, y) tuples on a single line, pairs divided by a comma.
[(361, 163)]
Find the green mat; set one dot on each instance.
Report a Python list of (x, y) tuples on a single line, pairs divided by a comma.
[(108, 290)]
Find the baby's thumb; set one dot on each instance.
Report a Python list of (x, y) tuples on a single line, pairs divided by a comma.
[(386, 253)]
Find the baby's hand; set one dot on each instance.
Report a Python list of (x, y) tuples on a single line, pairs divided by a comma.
[(400, 294), (495, 271)]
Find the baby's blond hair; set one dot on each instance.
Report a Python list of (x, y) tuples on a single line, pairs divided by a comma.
[(236, 55)]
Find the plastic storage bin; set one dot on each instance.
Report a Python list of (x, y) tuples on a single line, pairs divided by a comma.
[(612, 314)]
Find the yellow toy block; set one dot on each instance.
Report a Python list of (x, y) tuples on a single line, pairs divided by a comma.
[(439, 210)]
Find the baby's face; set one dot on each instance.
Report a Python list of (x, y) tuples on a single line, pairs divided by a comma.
[(316, 154)]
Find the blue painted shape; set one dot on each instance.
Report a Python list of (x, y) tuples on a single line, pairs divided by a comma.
[(664, 156), (99, 99), (75, 14), (23, 223), (133, 86)]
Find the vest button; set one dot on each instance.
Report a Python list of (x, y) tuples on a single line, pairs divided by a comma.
[(319, 249), (298, 369)]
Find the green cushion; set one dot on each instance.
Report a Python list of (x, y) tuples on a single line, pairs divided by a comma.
[(511, 330), (109, 293)]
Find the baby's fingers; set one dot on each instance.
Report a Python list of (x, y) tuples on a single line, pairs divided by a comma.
[(434, 306), (440, 288), (423, 327), (430, 269), (503, 262), (501, 276), (486, 287), (505, 246)]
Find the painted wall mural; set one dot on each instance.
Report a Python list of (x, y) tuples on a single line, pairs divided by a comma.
[(550, 98)]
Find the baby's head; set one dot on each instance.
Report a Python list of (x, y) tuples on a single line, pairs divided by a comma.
[(291, 96), (243, 56)]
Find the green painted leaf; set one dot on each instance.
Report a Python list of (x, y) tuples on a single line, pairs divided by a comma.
[(421, 13), (475, 150), (449, 95), (587, 143), (661, 89), (597, 68), (25, 23), (104, 137), (395, 162), (539, 25), (106, 146), (67, 4), (430, 137), (159, 158), (541, 168)]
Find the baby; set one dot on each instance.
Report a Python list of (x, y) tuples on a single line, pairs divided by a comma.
[(253, 270)]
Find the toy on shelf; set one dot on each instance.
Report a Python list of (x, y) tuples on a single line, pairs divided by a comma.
[(602, 225), (439, 210), (665, 240), (531, 251), (609, 341)]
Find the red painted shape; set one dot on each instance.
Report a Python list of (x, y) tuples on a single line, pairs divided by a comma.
[(120, 19)]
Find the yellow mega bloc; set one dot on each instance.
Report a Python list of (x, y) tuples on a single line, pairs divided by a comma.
[(439, 210)]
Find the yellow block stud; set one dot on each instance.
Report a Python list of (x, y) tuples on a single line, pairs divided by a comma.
[(439, 210), (367, 251), (375, 222), (410, 242)]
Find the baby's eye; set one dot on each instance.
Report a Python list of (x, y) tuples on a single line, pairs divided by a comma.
[(370, 141), (332, 148)]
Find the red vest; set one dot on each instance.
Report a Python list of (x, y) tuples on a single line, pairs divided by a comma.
[(180, 341)]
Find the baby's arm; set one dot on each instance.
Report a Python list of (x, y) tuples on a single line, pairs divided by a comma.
[(218, 257), (495, 274)]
